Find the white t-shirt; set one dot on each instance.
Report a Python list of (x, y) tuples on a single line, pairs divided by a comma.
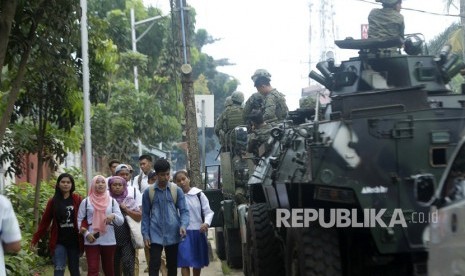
[(113, 208), (144, 183), (9, 228), (137, 196)]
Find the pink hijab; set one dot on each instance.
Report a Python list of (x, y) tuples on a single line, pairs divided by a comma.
[(100, 202)]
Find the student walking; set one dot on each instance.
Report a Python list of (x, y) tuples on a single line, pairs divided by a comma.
[(125, 252), (164, 219), (98, 213), (193, 251), (66, 245)]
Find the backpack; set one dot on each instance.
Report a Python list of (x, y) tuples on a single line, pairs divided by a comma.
[(173, 189), (174, 195)]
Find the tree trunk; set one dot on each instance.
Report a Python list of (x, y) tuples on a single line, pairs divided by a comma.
[(191, 125), (6, 18), (183, 31), (40, 160), (14, 93), (40, 165)]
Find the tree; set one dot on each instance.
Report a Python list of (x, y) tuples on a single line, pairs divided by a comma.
[(30, 18), (41, 45), (151, 113)]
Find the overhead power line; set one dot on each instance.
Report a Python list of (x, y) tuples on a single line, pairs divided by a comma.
[(417, 10)]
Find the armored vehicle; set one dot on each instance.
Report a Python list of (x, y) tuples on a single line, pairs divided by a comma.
[(338, 194), (231, 192), (345, 193)]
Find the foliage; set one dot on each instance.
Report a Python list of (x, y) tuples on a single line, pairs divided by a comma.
[(40, 29), (22, 199), (24, 140), (50, 106), (200, 86), (122, 114), (435, 45), (202, 38)]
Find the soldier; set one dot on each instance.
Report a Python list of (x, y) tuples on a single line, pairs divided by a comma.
[(230, 118), (260, 133), (274, 104), (307, 102), (219, 122), (254, 102), (386, 22)]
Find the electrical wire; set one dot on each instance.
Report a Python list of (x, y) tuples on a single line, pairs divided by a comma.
[(416, 10)]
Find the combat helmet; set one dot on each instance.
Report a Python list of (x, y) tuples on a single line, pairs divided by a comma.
[(307, 102), (228, 102), (261, 73), (237, 97)]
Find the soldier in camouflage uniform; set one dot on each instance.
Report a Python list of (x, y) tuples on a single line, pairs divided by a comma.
[(260, 133), (273, 105), (219, 122), (230, 118), (386, 22), (254, 102)]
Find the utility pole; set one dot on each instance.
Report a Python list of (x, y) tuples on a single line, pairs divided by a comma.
[(462, 21), (134, 40), (86, 88), (178, 8)]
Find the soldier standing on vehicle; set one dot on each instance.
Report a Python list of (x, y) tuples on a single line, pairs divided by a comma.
[(274, 104), (254, 102), (259, 135), (218, 126), (386, 22), (230, 118)]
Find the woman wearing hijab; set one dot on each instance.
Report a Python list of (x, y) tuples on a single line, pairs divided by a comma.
[(101, 213), (125, 252), (65, 241)]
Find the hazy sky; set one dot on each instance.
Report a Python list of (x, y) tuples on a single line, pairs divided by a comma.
[(273, 34)]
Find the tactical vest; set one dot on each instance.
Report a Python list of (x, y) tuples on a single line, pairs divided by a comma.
[(233, 118)]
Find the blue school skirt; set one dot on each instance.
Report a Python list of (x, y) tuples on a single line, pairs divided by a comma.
[(193, 250)]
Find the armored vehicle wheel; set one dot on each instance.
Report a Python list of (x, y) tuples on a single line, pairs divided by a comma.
[(219, 242), (313, 252), (233, 247), (264, 251)]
